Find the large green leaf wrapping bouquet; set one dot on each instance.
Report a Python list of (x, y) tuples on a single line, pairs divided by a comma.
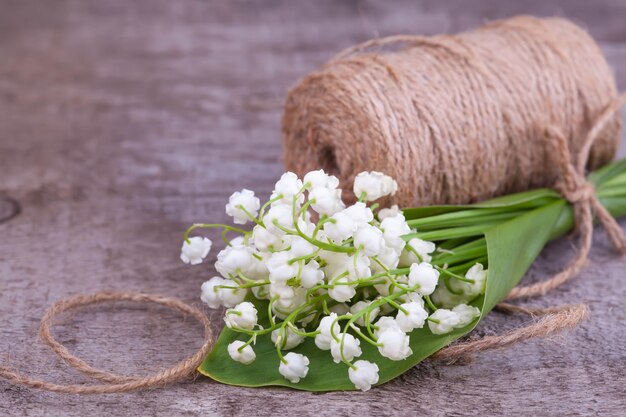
[(322, 297)]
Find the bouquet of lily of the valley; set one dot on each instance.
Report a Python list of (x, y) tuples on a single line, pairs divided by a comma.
[(323, 296)]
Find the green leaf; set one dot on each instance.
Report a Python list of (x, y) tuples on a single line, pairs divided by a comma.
[(512, 246)]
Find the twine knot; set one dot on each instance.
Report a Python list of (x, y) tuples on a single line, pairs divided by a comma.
[(575, 188)]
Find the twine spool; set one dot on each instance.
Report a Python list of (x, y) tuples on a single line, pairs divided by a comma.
[(454, 118)]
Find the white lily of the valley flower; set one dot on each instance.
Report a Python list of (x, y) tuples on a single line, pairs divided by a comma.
[(340, 291), (414, 318), (394, 344), (243, 315), (240, 202), (423, 249), (358, 266), (479, 275), (279, 267), (326, 200), (385, 323), (361, 305), (210, 293), (393, 229), (311, 274), (340, 228), (466, 313), (233, 259), (196, 250), (425, 276), (370, 239), (359, 213), (301, 247), (325, 335), (264, 240), (287, 186), (244, 355), (294, 367), (444, 298), (388, 212), (231, 296), (374, 185), (293, 339), (389, 259), (443, 321), (347, 347), (280, 214), (363, 374), (319, 179)]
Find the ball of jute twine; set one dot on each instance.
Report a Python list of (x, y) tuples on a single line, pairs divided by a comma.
[(454, 119), (569, 180)]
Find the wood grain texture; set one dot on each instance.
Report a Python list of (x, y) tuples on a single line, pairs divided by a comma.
[(123, 122)]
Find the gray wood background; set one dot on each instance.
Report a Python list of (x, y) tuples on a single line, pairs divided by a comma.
[(122, 122)]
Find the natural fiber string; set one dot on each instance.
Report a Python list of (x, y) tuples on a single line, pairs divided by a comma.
[(581, 194), (456, 118), (115, 383)]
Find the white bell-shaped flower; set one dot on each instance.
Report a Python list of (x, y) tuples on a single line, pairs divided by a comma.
[(363, 374), (425, 276), (280, 215), (233, 259), (388, 212), (295, 367), (385, 323), (327, 328), (210, 293), (374, 185), (326, 200), (301, 247), (319, 178), (393, 229), (414, 317), (265, 241), (243, 315), (423, 248), (340, 228), (394, 344), (311, 274), (443, 321), (370, 239), (287, 187), (279, 267), (388, 259), (196, 250), (291, 340), (244, 355), (240, 202), (232, 295), (341, 290), (466, 313), (359, 213), (347, 347), (362, 305)]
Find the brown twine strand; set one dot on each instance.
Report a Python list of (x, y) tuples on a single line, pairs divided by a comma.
[(581, 194), (115, 383), (557, 319), (572, 185)]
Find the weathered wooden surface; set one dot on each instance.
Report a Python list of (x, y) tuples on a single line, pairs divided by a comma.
[(123, 122)]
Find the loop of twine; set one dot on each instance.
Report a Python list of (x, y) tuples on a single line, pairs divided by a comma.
[(114, 383)]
